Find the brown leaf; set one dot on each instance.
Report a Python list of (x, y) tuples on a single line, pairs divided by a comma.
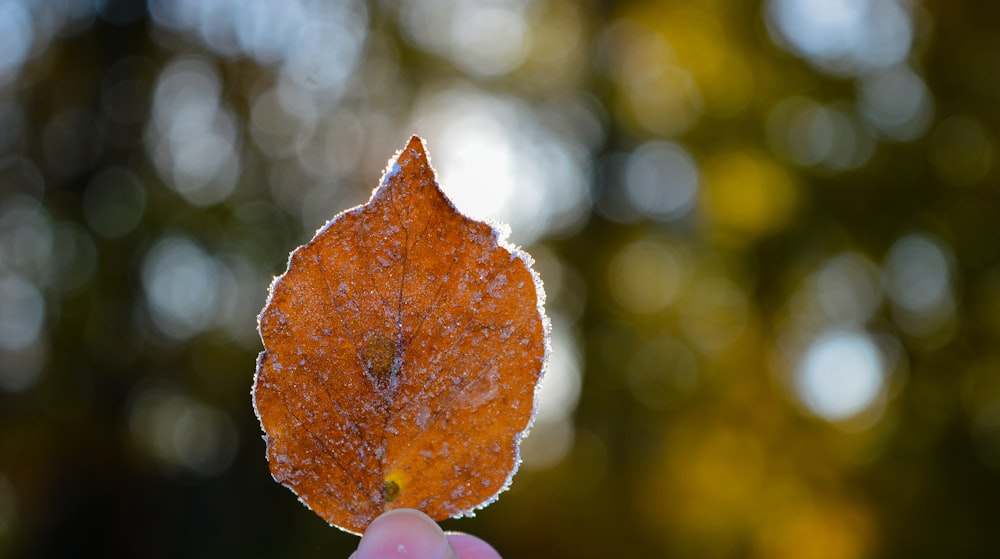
[(402, 351)]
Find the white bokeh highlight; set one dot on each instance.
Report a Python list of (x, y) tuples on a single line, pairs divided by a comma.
[(843, 37), (181, 283), (841, 374), (661, 180)]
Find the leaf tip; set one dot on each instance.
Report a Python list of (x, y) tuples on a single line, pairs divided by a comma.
[(416, 143), (413, 154)]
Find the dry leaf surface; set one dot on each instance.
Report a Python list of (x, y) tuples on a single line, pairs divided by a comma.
[(402, 351)]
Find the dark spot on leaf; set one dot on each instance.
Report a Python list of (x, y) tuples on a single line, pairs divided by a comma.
[(390, 490)]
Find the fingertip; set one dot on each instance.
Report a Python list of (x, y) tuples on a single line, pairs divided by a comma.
[(404, 533), (471, 547)]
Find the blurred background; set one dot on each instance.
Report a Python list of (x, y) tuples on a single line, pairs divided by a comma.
[(768, 231)]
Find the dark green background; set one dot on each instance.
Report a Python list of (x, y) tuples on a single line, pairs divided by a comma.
[(124, 435)]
